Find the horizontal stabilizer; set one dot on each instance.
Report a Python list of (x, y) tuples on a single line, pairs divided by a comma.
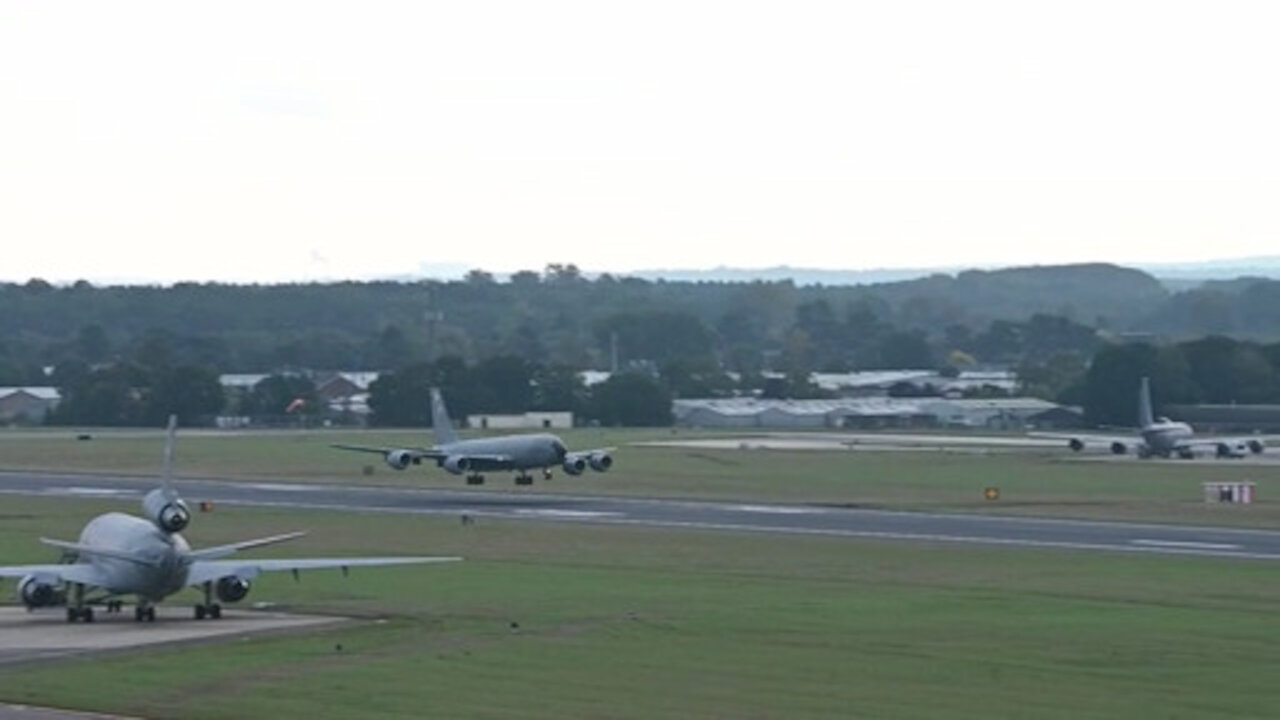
[(221, 551), (89, 550)]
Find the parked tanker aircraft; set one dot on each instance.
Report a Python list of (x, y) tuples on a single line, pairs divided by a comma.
[(1162, 437), (119, 555), (521, 453)]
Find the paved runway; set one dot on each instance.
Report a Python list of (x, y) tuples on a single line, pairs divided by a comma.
[(728, 516)]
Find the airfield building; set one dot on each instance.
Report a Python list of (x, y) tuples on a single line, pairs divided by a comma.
[(861, 413)]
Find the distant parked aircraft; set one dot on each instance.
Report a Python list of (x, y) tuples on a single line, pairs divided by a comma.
[(119, 554), (1162, 437), (474, 457)]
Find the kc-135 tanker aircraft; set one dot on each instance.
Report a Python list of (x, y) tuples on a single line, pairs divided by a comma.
[(521, 453), (1162, 437), (119, 555)]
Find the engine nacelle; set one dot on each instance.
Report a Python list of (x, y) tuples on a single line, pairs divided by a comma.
[(1118, 448), (164, 508), (1076, 444), (574, 465), (33, 593), (456, 464), (1256, 447), (599, 461), (232, 588), (399, 459)]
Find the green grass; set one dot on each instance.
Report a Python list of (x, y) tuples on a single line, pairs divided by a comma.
[(642, 623), (1050, 483)]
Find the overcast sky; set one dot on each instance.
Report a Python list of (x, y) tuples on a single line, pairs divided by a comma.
[(265, 141)]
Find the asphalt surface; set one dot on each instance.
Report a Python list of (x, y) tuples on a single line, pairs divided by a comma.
[(45, 634), (820, 520)]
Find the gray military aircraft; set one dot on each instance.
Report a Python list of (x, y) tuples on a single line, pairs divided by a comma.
[(119, 554), (1162, 437), (472, 458)]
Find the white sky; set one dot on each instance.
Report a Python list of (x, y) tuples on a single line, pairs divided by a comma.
[(263, 141)]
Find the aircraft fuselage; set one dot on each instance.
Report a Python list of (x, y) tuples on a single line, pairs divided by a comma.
[(163, 573), (538, 450)]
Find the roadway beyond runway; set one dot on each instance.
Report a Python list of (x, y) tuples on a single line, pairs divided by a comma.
[(820, 520)]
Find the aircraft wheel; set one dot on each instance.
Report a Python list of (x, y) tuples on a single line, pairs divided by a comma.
[(215, 611), (151, 614), (138, 613), (88, 614), (199, 612), (72, 615)]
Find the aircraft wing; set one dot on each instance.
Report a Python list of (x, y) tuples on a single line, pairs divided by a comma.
[(1090, 441), (409, 453), (1225, 446), (588, 453), (61, 572), (202, 571)]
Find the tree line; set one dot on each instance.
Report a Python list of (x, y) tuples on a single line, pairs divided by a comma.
[(1214, 369)]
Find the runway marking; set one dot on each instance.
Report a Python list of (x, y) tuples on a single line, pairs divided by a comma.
[(88, 491), (774, 509), (281, 486), (1186, 544), (545, 512)]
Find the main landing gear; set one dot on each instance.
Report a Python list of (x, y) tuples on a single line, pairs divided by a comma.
[(209, 609), (524, 478), (83, 613), (475, 479), (144, 612), (76, 609)]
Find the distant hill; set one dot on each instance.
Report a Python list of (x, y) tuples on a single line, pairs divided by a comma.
[(799, 276)]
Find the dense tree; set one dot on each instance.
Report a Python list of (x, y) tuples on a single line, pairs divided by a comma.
[(275, 394), (191, 392), (633, 400), (1111, 384)]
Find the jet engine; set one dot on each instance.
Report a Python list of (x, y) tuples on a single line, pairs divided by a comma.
[(599, 461), (166, 510), (574, 465), (1118, 448), (232, 588), (456, 465), (1076, 444), (33, 593), (1255, 446), (399, 459)]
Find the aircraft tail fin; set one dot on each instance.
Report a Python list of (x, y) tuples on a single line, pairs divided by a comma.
[(441, 426), (166, 477), (1145, 416)]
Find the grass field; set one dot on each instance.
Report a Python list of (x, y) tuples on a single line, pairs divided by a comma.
[(1050, 483), (643, 623)]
